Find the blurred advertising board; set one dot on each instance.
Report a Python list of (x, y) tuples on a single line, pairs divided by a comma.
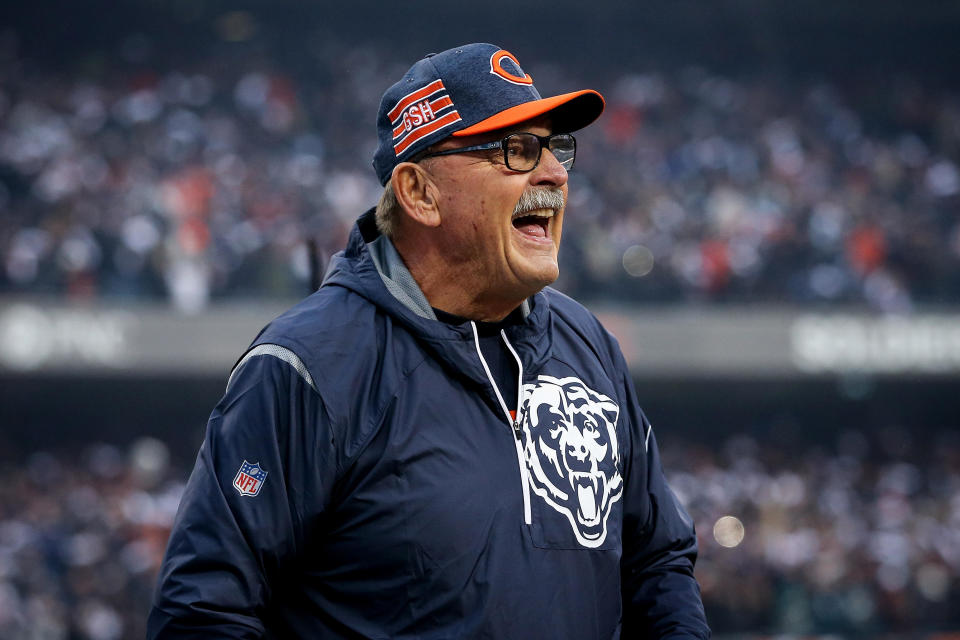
[(38, 337)]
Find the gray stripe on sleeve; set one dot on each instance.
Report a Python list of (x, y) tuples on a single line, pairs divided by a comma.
[(276, 351)]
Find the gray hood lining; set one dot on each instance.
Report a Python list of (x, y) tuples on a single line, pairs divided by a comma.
[(400, 283)]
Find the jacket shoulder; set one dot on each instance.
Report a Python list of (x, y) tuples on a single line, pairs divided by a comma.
[(319, 321), (575, 320), (347, 347), (569, 309)]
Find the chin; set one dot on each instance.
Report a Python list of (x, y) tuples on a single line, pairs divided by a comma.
[(541, 278)]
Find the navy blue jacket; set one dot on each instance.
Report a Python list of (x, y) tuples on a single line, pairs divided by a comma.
[(363, 478)]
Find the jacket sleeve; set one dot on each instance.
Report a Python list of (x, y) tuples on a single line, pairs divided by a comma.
[(661, 597), (227, 549)]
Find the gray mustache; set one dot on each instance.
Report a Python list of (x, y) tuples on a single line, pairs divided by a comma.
[(533, 199)]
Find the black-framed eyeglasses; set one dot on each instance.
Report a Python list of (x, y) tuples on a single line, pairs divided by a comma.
[(522, 151)]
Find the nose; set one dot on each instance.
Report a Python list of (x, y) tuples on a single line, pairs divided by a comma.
[(549, 171)]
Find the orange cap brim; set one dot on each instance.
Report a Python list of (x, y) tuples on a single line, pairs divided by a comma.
[(569, 112)]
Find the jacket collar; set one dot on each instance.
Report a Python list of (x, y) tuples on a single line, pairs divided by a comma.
[(397, 278), (371, 267)]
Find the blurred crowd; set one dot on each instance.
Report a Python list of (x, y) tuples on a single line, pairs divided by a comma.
[(858, 539), (81, 540), (149, 178), (710, 188)]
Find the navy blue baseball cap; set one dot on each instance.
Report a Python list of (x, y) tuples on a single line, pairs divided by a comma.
[(471, 89)]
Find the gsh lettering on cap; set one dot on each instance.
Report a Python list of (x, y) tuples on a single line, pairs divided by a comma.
[(420, 113)]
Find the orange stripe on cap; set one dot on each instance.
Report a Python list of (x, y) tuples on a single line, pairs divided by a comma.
[(436, 105), (426, 130), (591, 105), (412, 97), (440, 103)]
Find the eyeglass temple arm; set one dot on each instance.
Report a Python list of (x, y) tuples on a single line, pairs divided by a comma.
[(479, 147)]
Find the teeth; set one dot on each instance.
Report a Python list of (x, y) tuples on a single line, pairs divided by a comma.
[(536, 213)]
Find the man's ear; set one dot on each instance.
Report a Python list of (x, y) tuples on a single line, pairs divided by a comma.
[(416, 193)]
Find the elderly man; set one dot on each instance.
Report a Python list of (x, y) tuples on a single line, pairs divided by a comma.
[(435, 444)]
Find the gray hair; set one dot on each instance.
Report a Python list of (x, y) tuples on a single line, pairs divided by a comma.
[(388, 212)]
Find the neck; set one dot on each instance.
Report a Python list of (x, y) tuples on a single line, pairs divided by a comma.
[(452, 287), (478, 310)]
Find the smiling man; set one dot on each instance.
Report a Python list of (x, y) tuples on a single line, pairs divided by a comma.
[(485, 223), (436, 444)]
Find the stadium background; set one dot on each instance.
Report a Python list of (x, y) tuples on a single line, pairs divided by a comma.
[(766, 216)]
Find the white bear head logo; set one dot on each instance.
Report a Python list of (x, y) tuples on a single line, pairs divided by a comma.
[(570, 445)]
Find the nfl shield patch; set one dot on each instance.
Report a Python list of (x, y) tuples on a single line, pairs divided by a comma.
[(249, 479)]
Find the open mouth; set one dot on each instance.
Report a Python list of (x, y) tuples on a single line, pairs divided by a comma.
[(535, 224)]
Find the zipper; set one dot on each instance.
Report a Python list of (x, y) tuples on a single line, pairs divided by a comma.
[(513, 423), (517, 433)]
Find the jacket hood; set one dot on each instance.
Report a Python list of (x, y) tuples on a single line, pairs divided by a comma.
[(355, 269)]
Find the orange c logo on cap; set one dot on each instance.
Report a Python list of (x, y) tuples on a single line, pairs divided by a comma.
[(496, 68)]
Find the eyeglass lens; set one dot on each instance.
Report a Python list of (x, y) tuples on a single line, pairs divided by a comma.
[(522, 150)]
